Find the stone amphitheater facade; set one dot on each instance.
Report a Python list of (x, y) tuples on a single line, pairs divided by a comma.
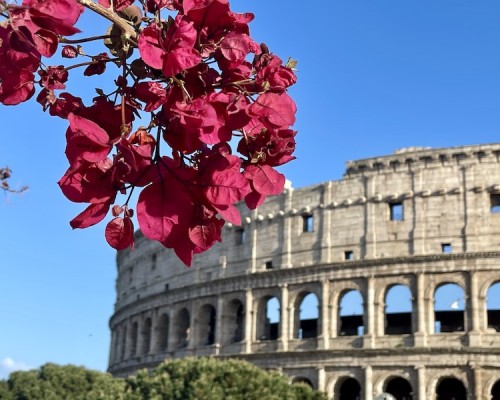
[(419, 219)]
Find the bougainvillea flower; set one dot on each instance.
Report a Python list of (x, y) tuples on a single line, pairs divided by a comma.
[(86, 141), (272, 74), (108, 116), (195, 79), (54, 77), (69, 52), (16, 87), (98, 66), (57, 16), (191, 125), (235, 47), (92, 215), (151, 93), (173, 53), (264, 179), (16, 53), (165, 209), (276, 109), (138, 159), (117, 4), (89, 182), (119, 233), (157, 5), (65, 104)]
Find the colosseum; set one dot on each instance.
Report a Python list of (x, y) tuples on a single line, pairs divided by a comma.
[(384, 284)]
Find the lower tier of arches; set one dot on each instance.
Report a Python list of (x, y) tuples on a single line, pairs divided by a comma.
[(437, 375)]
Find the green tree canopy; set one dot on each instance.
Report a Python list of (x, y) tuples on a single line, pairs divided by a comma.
[(211, 379), (55, 382), (186, 379)]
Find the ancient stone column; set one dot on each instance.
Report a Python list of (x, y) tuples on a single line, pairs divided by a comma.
[(422, 395), (369, 312), (421, 332), (171, 337), (218, 321), (285, 334), (321, 379), (325, 316), (249, 322), (478, 382), (333, 310), (368, 383), (473, 311)]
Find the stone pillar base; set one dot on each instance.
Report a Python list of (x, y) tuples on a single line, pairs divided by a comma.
[(419, 339), (282, 346), (369, 341), (474, 338), (323, 343)]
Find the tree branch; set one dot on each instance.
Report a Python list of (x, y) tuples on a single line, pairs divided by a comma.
[(5, 174), (128, 31)]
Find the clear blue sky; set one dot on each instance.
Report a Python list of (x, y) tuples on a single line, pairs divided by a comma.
[(374, 76)]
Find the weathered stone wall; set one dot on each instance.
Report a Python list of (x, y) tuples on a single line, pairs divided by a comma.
[(420, 218)]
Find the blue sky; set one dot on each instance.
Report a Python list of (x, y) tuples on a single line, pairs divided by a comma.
[(374, 76)]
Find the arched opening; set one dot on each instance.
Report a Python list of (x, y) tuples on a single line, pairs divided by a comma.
[(449, 308), (182, 329), (495, 391), (235, 321), (301, 379), (146, 336), (163, 332), (306, 316), (451, 389), (134, 335), (351, 314), (400, 388), (206, 325), (268, 319), (349, 389), (493, 306), (398, 309)]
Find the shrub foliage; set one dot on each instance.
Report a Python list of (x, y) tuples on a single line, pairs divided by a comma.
[(186, 379)]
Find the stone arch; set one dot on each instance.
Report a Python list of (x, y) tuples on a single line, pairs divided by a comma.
[(268, 318), (493, 307), (495, 391), (386, 284), (163, 332), (399, 387), (438, 281), (234, 321), (347, 388), (449, 308), (206, 323), (351, 313), (450, 388), (306, 315), (146, 336), (343, 287), (398, 310), (182, 326)]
